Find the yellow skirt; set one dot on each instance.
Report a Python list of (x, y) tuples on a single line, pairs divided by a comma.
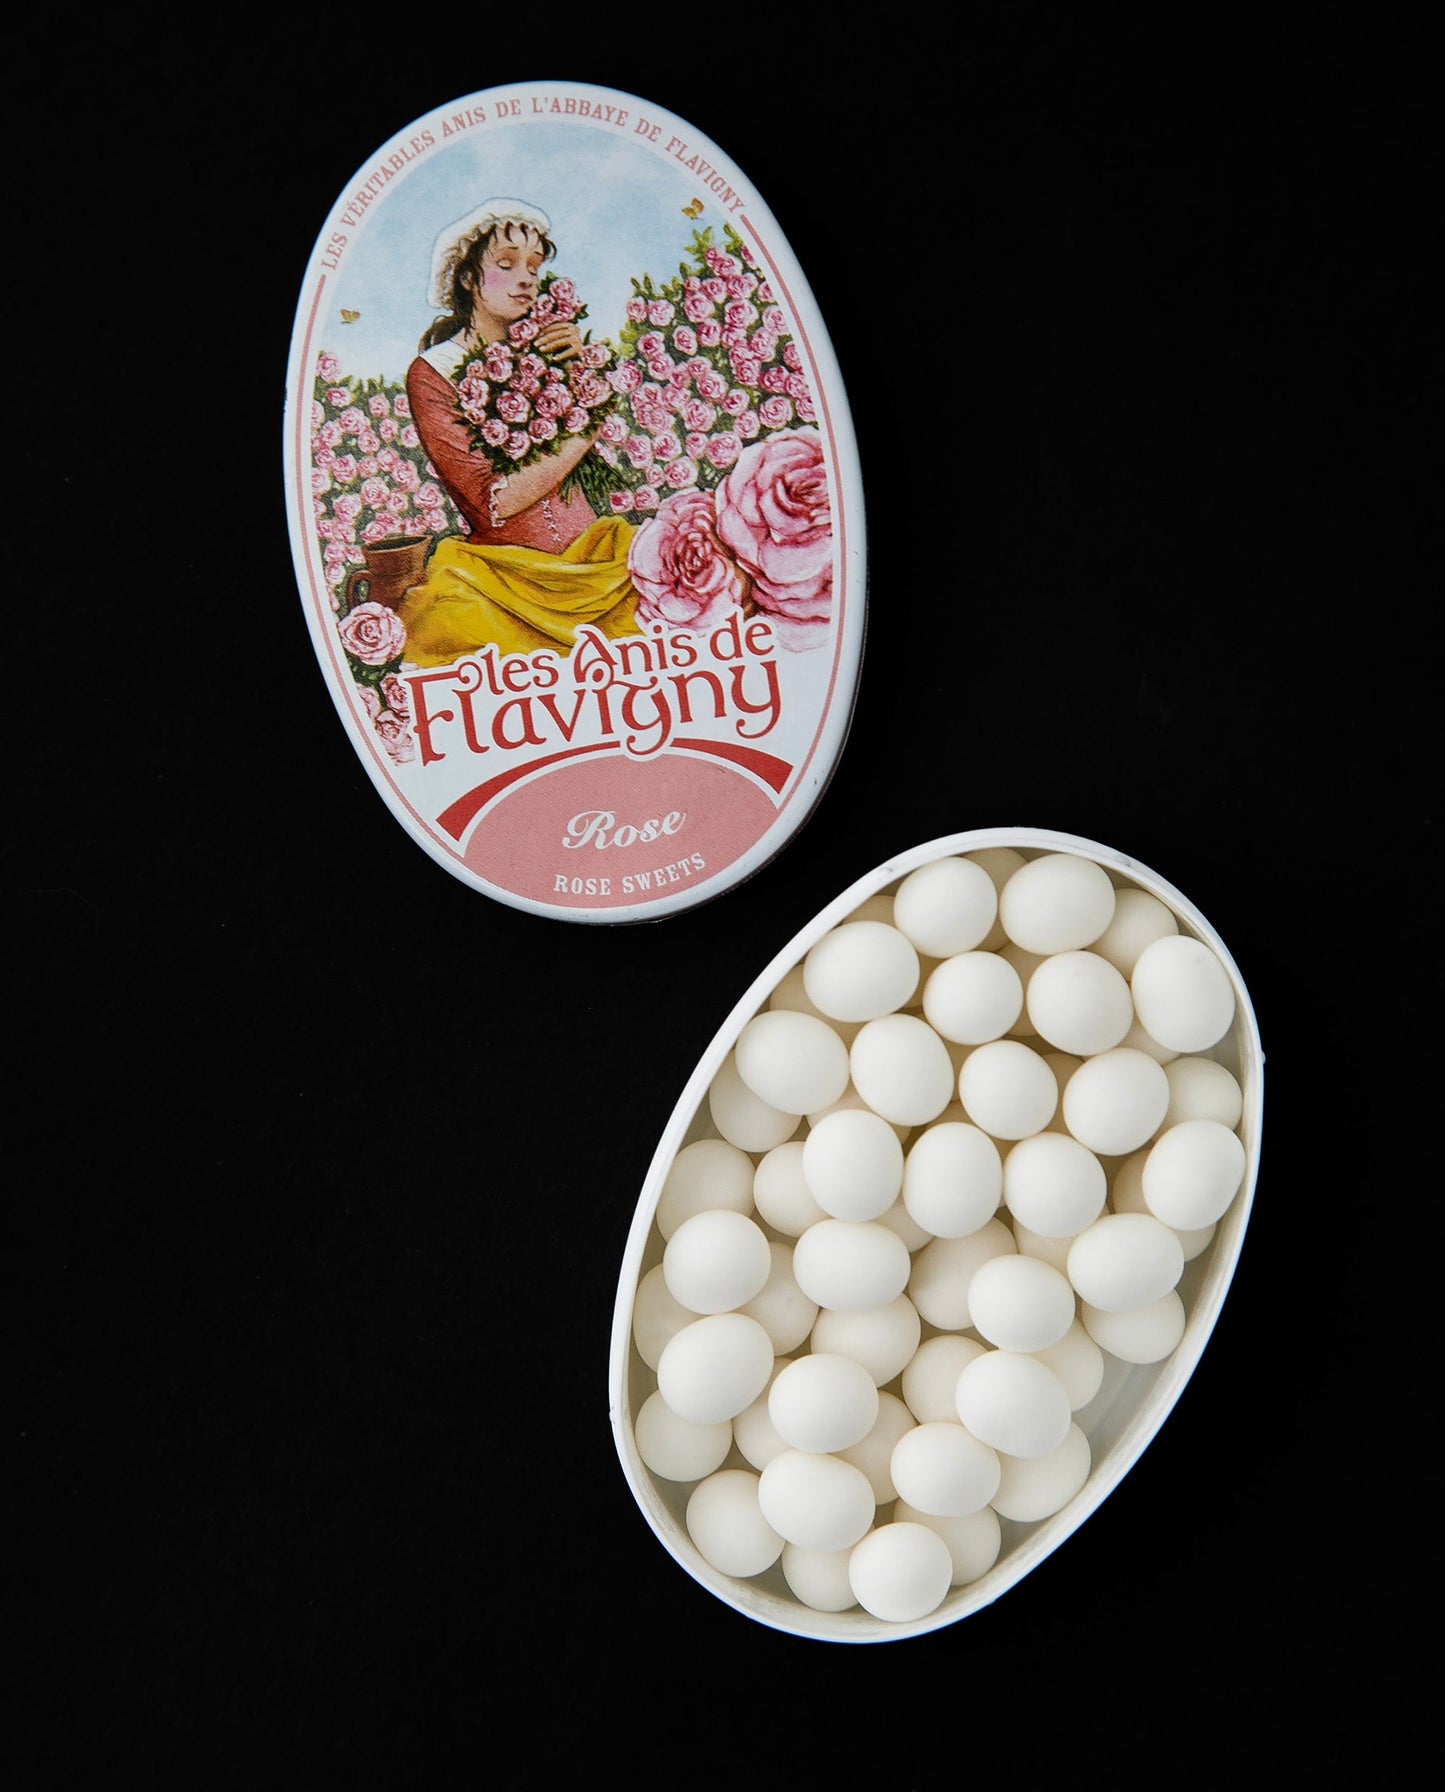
[(519, 599)]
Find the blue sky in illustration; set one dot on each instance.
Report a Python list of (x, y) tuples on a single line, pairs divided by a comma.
[(616, 208)]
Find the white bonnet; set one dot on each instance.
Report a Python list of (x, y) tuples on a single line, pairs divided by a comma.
[(452, 242)]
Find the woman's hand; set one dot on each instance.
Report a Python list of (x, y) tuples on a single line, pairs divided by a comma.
[(560, 341)]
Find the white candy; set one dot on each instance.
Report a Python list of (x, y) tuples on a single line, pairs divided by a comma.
[(1125, 1260), (860, 970), (1116, 1102), (851, 1264), (1139, 920), (1193, 1172), (714, 1367), (781, 1193), (1007, 1089), (1139, 1334), (818, 1578), (1077, 1361), (901, 1571), (656, 1316), (1014, 1402), (1054, 1185), (1036, 1487), (883, 1339), (902, 1069), (715, 1262), (742, 1117), (706, 1174), (1182, 993), (874, 1454), (1201, 1089), (781, 1308), (794, 1062), (952, 1178), (725, 1521), (973, 997), (973, 1542), (853, 1164), (1000, 862), (946, 907), (1056, 903), (1021, 1303), (817, 1502), (941, 1468), (1079, 1003), (931, 1377), (1126, 1195), (942, 1271), (676, 1449), (981, 1108), (823, 1402), (753, 1431)]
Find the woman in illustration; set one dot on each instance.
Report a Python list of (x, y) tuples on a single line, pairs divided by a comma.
[(538, 561)]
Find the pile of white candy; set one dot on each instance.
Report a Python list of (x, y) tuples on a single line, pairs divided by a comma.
[(959, 1161)]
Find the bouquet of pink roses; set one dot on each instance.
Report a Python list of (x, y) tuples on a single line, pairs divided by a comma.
[(520, 404)]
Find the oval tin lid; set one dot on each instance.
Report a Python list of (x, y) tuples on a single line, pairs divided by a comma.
[(604, 683)]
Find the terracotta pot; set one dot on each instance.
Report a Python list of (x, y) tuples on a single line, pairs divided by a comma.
[(393, 565)]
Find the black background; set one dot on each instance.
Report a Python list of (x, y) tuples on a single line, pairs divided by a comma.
[(311, 1277)]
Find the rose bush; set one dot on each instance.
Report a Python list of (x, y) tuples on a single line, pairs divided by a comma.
[(682, 574)]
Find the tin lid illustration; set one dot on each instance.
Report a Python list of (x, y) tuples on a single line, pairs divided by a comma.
[(574, 503)]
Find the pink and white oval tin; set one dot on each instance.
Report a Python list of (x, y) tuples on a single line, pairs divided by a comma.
[(574, 502)]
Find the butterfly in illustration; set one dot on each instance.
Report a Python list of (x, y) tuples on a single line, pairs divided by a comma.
[(694, 210), (349, 317)]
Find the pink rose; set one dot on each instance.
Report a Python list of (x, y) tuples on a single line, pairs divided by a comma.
[(775, 517), (377, 405), (327, 366), (659, 312), (338, 396), (373, 634), (401, 404), (776, 412), (395, 736), (637, 311), (724, 448), (397, 694), (681, 571), (684, 340)]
